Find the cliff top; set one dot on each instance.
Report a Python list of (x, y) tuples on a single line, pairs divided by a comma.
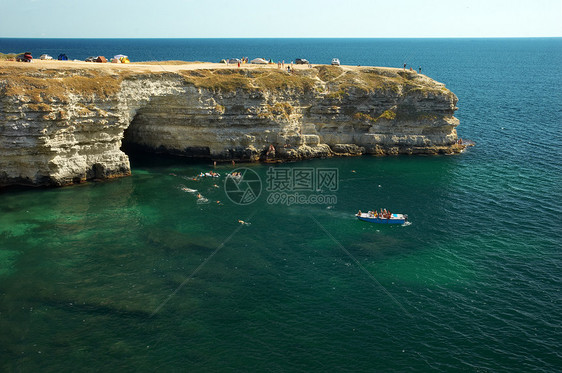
[(151, 66), (41, 81)]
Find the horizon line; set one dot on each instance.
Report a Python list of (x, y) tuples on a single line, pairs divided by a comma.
[(275, 37)]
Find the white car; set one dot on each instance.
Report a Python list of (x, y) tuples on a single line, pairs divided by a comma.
[(336, 62), (46, 57)]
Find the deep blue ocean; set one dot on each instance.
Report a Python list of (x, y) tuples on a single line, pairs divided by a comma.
[(139, 274)]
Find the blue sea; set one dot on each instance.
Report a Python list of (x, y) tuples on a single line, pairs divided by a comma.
[(161, 271)]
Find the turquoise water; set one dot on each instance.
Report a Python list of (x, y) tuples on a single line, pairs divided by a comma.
[(139, 274)]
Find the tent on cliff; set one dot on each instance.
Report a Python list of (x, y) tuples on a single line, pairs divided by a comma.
[(120, 58), (259, 61), (101, 59), (62, 57)]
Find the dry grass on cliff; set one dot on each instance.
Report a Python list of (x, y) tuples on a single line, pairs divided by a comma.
[(8, 56), (386, 115), (54, 85), (248, 80), (341, 82), (280, 80), (329, 73), (52, 81), (217, 80)]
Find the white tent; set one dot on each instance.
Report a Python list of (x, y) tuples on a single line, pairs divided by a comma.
[(259, 61)]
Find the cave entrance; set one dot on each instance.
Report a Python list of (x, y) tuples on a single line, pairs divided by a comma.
[(144, 131)]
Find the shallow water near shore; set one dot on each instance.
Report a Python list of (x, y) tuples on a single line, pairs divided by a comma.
[(139, 274)]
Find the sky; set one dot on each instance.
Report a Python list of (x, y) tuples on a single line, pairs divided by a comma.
[(279, 18)]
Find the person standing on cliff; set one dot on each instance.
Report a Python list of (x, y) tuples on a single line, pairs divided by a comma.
[(419, 69), (404, 66)]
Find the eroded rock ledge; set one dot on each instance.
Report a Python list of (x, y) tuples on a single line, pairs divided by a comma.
[(62, 126)]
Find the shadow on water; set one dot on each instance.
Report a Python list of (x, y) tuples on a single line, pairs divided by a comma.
[(142, 158)]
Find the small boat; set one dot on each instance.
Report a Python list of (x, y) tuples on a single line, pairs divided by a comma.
[(372, 218)]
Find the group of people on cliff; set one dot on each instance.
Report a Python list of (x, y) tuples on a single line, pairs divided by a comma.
[(411, 69)]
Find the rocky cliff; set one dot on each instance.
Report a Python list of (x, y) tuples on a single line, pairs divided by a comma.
[(65, 125)]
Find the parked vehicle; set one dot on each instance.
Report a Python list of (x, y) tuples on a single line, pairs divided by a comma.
[(24, 57), (234, 60), (301, 61), (336, 62), (91, 59), (46, 57)]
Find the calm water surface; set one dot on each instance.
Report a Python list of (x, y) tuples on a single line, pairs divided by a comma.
[(138, 274)]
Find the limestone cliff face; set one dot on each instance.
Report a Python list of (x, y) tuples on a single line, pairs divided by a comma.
[(65, 126)]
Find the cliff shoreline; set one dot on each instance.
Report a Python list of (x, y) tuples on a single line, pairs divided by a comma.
[(64, 122)]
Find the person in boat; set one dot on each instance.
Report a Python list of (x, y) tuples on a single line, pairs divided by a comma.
[(359, 213)]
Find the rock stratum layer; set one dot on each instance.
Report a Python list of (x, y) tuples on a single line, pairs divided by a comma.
[(60, 126)]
